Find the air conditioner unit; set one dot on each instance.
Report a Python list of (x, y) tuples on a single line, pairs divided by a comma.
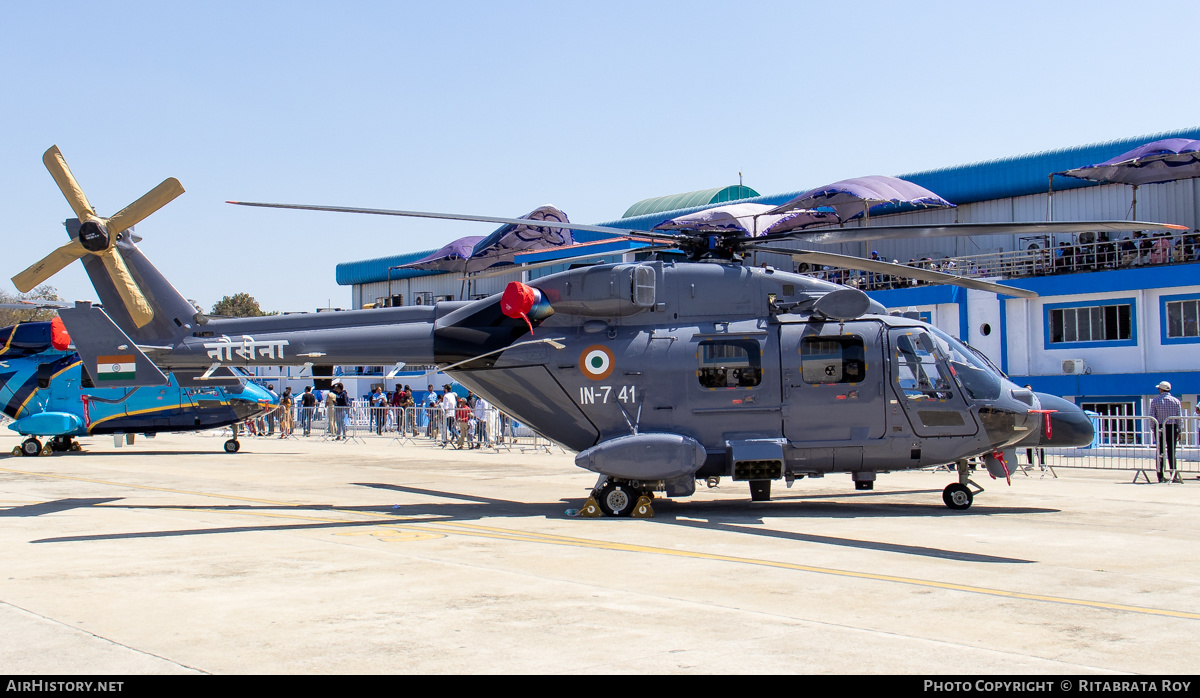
[(1073, 367)]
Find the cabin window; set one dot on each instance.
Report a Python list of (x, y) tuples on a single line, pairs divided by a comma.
[(840, 359), (643, 287), (729, 363), (85, 378)]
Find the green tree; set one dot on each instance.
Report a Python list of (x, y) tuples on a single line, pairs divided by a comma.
[(239, 305), (45, 292)]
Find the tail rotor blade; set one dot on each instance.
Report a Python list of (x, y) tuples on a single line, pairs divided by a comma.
[(150, 202), (136, 303), (48, 266), (54, 162)]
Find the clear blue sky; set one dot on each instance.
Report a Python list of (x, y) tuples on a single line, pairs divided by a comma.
[(497, 108)]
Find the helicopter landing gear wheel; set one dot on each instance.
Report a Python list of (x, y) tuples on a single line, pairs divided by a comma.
[(616, 498), (31, 447), (61, 444), (232, 446), (958, 496), (760, 490)]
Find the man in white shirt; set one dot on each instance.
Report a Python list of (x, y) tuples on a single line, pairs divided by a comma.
[(449, 404)]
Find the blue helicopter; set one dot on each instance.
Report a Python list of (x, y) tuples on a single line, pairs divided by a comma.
[(47, 392)]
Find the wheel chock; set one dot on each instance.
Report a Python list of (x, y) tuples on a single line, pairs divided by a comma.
[(16, 450), (46, 450), (591, 509), (642, 510)]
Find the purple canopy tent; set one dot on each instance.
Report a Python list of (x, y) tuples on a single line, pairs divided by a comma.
[(1153, 163), (452, 257), (510, 240), (475, 253), (748, 219), (855, 197)]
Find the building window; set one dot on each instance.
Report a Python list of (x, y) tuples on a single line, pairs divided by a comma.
[(1106, 323), (1180, 319)]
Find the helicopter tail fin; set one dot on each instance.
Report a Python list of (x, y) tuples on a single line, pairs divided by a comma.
[(173, 315), (110, 357)]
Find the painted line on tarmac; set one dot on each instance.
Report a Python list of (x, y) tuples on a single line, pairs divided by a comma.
[(553, 539), (505, 534)]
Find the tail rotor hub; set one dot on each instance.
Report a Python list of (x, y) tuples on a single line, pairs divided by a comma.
[(93, 236)]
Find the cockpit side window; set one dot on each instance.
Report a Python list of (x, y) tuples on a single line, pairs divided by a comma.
[(840, 359), (44, 373), (979, 377), (920, 375), (729, 363)]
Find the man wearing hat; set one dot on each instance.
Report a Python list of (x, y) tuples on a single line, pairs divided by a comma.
[(1164, 408)]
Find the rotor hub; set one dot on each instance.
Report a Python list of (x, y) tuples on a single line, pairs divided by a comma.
[(93, 236)]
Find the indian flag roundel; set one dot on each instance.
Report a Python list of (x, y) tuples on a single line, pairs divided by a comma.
[(596, 362)]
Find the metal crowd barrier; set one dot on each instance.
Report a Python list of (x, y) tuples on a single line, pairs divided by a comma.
[(361, 422), (1131, 444)]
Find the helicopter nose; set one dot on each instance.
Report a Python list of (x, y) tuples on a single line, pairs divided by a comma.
[(1069, 426)]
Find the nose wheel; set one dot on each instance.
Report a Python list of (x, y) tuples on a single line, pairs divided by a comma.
[(232, 446), (958, 496)]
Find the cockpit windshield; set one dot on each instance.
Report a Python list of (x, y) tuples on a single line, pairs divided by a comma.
[(977, 375)]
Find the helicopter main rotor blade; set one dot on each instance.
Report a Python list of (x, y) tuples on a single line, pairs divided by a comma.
[(48, 266), (892, 232), (465, 217), (54, 161), (936, 277), (510, 268), (136, 303), (150, 202)]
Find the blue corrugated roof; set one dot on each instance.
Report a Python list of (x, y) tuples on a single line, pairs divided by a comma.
[(366, 271), (1027, 174)]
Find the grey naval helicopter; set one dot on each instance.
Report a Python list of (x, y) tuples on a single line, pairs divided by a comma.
[(658, 373)]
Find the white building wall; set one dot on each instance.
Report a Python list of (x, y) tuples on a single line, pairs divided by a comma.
[(983, 308), (1026, 329)]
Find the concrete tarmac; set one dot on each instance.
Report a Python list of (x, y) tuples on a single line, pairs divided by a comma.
[(302, 556)]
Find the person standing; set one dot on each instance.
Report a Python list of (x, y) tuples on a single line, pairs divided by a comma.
[(1041, 452), (449, 406), (1166, 409), (378, 410), (272, 414), (481, 415), (432, 411), (331, 410), (285, 413), (342, 405), (462, 415), (308, 405)]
